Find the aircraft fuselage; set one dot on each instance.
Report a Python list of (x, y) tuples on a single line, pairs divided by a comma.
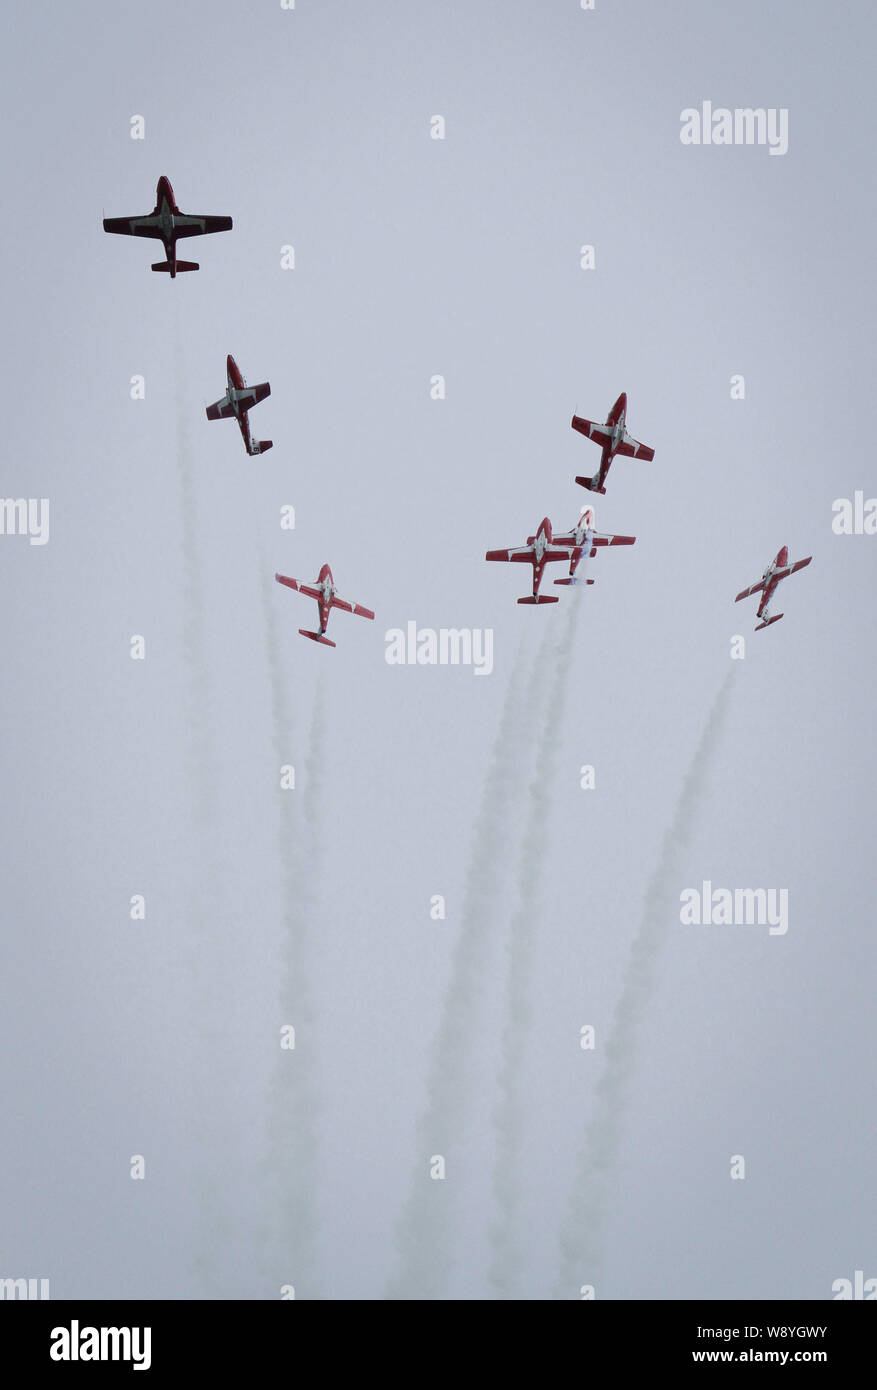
[(326, 585), (236, 388)]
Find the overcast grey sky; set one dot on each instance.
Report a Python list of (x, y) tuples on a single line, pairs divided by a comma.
[(416, 257)]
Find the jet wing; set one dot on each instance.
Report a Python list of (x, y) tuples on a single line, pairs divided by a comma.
[(302, 588), (190, 224), (356, 608), (598, 539), (252, 395), (632, 449), (753, 589), (790, 569), (133, 226), (591, 429), (526, 553), (220, 410)]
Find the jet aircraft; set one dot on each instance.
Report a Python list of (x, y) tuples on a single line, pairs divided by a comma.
[(584, 540), (168, 225), (538, 552), (613, 439), (238, 399), (778, 569), (326, 594)]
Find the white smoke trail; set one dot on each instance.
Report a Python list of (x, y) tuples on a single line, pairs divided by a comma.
[(426, 1229), (510, 1113), (201, 762), (290, 1243), (581, 1239), (211, 1234)]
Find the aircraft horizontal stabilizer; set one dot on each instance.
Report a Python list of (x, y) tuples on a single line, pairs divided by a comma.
[(592, 484), (540, 598), (768, 622), (317, 637)]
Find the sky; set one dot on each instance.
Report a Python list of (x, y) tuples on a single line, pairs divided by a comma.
[(438, 1131)]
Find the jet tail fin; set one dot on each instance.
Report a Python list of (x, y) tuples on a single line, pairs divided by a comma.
[(316, 637), (263, 445), (180, 265), (574, 579), (540, 598)]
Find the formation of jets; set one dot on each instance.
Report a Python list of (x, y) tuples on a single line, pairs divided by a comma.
[(166, 223), (548, 545), (583, 540)]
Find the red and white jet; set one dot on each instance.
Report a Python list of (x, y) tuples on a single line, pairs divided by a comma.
[(238, 399), (776, 571), (584, 540), (613, 439), (538, 552), (169, 225), (326, 594)]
